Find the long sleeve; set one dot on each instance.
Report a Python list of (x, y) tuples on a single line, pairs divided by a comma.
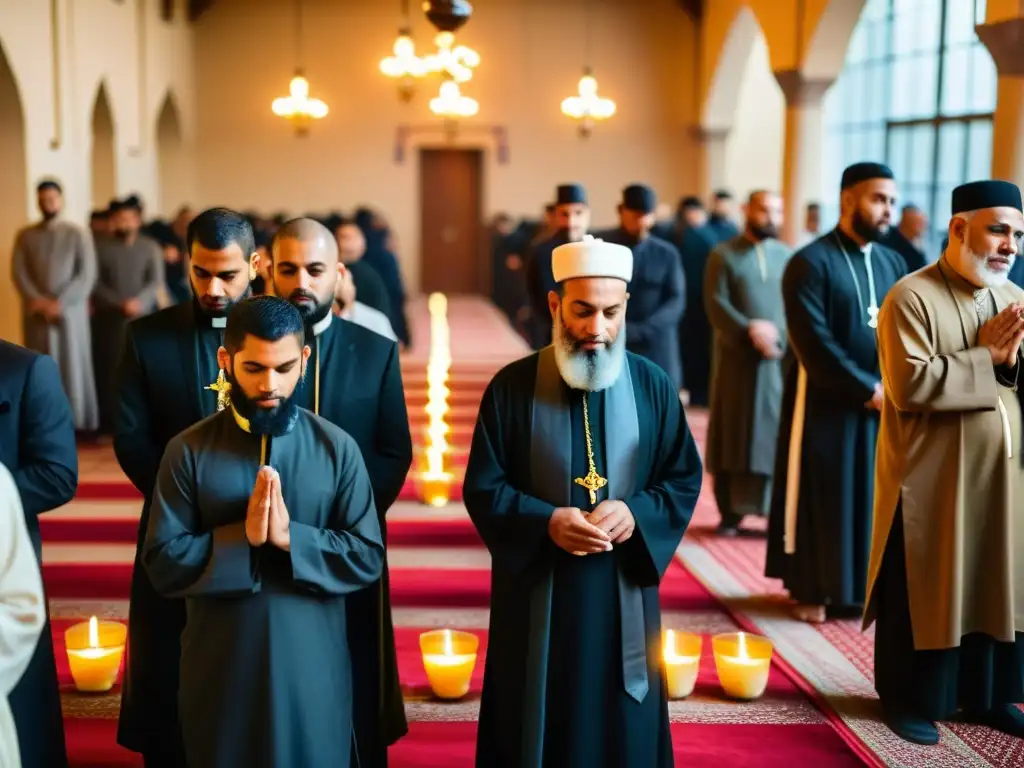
[(663, 509), (181, 559), (919, 380), (725, 318), (392, 455), (22, 605), (670, 309), (827, 364), (349, 555), (81, 285), (134, 443), (155, 277), (47, 476), (104, 295), (20, 272), (513, 524)]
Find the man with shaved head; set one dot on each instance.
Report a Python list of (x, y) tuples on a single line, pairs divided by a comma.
[(354, 381), (743, 300)]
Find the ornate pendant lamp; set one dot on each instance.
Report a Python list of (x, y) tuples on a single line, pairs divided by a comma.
[(404, 65), (297, 107), (586, 107)]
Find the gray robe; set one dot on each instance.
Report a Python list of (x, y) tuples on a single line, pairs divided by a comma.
[(124, 271), (265, 670), (746, 389), (55, 259)]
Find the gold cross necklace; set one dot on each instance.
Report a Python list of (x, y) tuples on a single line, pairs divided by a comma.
[(593, 482), (223, 389)]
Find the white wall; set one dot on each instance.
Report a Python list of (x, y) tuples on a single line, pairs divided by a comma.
[(755, 145), (127, 46)]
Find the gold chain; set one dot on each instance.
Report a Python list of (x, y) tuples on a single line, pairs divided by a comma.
[(593, 482)]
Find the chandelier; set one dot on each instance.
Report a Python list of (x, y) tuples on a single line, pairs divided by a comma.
[(456, 63), (451, 104), (298, 107), (587, 107), (404, 65)]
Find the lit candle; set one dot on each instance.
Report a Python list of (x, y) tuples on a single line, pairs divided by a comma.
[(435, 480), (95, 649), (449, 659), (682, 663), (743, 662)]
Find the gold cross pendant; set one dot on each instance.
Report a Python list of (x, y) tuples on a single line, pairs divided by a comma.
[(222, 387), (593, 482)]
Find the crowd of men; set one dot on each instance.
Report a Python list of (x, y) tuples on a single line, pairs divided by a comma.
[(871, 412)]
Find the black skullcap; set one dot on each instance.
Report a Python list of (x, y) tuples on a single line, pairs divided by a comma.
[(859, 172), (976, 195), (130, 203), (639, 197), (49, 184), (570, 194)]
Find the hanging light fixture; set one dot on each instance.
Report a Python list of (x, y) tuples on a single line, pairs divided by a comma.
[(297, 106), (587, 107), (451, 104), (404, 65), (456, 63)]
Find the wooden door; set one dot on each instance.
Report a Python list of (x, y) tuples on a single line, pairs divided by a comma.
[(452, 255)]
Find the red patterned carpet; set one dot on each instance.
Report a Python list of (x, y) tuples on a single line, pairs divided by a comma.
[(818, 710)]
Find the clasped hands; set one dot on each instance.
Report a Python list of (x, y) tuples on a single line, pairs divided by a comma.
[(50, 309), (267, 517), (610, 523), (764, 335), (1003, 334)]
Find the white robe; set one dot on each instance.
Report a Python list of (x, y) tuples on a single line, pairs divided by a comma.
[(22, 610)]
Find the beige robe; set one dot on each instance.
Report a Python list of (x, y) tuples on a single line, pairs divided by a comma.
[(948, 425), (22, 611)]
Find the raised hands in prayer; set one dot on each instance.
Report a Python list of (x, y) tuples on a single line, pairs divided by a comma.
[(1003, 334), (257, 518)]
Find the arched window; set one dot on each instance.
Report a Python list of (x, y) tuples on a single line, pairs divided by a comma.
[(917, 92)]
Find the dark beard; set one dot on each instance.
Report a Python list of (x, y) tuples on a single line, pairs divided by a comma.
[(767, 232), (867, 231), (311, 313), (274, 421), (223, 312)]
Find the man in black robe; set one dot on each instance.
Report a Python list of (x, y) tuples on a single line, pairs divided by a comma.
[(695, 238), (657, 295), (723, 215), (369, 285), (582, 478), (169, 380), (355, 382), (381, 256), (263, 520), (37, 445), (571, 222), (820, 527)]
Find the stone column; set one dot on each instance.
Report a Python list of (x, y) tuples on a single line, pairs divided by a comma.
[(711, 168), (1005, 42), (804, 141)]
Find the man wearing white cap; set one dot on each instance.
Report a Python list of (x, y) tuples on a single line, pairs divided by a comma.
[(582, 478)]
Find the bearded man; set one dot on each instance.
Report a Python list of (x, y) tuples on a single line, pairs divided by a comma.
[(820, 527), (582, 479), (743, 299), (169, 379), (947, 574)]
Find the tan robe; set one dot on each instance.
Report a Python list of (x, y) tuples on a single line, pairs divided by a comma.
[(948, 425)]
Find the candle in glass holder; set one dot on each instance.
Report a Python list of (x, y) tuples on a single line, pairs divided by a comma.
[(743, 662), (95, 649), (681, 654), (449, 658)]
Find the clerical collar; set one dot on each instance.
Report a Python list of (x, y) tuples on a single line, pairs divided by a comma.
[(322, 325), (206, 320)]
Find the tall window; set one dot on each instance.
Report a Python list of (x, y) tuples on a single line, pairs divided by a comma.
[(917, 92)]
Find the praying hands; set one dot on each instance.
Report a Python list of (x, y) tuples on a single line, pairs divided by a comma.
[(1003, 335), (267, 517)]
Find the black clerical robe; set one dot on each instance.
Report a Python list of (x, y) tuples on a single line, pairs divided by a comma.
[(169, 359), (37, 444), (361, 392), (832, 474), (657, 300), (912, 256), (265, 668), (591, 722), (695, 244), (540, 281)]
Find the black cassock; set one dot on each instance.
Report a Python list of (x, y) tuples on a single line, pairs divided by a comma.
[(591, 721), (37, 445), (657, 299), (540, 281), (361, 392), (265, 667), (695, 244), (829, 334)]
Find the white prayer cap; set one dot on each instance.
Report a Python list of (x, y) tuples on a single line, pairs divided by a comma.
[(591, 257)]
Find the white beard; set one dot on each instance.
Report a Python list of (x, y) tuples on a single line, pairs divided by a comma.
[(976, 270), (590, 371)]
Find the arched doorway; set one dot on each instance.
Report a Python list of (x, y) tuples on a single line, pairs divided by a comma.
[(13, 194), (172, 167), (104, 162)]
